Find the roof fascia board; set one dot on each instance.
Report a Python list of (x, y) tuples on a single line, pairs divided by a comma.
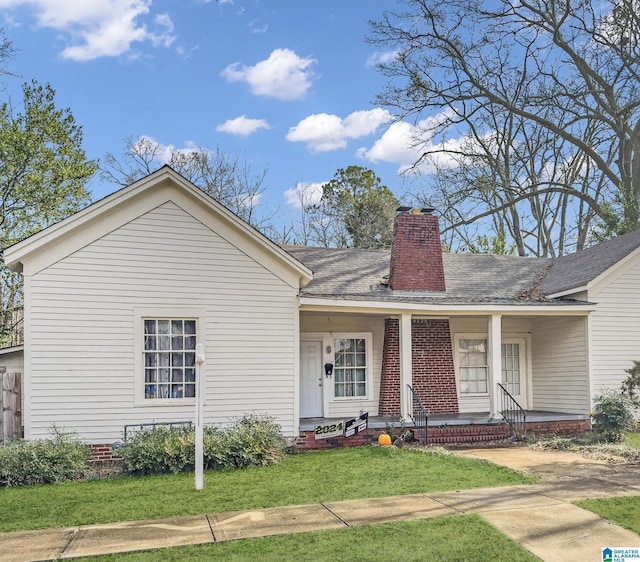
[(331, 305), (14, 349), (567, 292)]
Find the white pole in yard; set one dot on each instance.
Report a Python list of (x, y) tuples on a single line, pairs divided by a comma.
[(199, 437)]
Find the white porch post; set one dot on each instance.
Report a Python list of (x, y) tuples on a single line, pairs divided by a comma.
[(494, 345), (406, 364)]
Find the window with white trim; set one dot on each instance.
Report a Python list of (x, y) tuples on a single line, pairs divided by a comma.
[(350, 368), (169, 358), (472, 365)]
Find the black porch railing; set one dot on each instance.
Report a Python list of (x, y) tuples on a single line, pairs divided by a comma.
[(513, 413), (418, 414), (132, 428)]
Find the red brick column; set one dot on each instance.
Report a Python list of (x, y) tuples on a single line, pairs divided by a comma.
[(434, 376), (433, 370), (389, 403)]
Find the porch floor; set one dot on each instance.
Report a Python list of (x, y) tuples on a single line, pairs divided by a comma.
[(437, 420)]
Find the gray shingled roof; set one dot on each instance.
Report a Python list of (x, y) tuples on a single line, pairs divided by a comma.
[(576, 270), (470, 278), (355, 274)]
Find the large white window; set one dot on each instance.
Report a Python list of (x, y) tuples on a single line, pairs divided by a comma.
[(169, 358), (351, 368), (472, 365)]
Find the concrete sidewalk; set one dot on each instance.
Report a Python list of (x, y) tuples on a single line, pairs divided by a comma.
[(539, 516)]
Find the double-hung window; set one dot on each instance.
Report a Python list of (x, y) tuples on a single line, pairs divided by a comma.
[(351, 367), (169, 358), (473, 367)]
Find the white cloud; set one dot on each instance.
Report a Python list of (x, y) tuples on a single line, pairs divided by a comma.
[(256, 27), (99, 28), (284, 75), (363, 123), (323, 132), (242, 126), (405, 144), (161, 153), (304, 194), (381, 58)]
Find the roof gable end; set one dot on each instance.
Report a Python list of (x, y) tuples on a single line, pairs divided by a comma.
[(104, 216)]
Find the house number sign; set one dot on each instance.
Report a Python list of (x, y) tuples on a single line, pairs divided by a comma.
[(342, 428), (326, 431)]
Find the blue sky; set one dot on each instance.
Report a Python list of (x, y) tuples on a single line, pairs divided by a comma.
[(290, 84)]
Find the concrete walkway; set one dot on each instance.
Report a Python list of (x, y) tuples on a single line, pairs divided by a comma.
[(540, 516)]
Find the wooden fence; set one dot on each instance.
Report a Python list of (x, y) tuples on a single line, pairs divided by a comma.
[(10, 407)]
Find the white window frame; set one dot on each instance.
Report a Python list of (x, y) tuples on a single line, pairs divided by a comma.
[(469, 336), (367, 336), (142, 314)]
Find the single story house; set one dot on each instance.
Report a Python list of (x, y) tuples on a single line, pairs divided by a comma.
[(118, 295)]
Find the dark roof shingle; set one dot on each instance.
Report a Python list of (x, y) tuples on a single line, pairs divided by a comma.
[(354, 274), (577, 270)]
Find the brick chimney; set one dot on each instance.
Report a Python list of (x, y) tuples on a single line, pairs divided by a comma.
[(416, 253)]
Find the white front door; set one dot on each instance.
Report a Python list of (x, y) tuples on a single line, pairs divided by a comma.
[(514, 377), (311, 379)]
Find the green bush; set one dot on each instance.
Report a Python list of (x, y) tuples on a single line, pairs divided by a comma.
[(251, 440), (57, 459), (631, 385), (612, 416)]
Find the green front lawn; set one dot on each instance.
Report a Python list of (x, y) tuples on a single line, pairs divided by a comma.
[(333, 475), (457, 537), (623, 511)]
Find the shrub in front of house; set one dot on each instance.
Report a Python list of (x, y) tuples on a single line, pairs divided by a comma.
[(612, 416), (251, 440), (60, 458)]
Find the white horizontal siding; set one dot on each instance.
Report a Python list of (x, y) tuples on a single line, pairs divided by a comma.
[(82, 327), (511, 328), (355, 324), (615, 329), (560, 365)]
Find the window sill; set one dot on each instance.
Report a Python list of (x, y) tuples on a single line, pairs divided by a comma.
[(172, 402)]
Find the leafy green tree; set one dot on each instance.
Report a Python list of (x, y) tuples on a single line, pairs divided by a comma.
[(43, 176), (356, 211)]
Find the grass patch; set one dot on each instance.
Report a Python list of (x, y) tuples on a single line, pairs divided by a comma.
[(338, 474), (456, 537), (632, 439), (624, 511)]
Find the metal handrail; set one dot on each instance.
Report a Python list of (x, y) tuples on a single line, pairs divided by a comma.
[(513, 413), (418, 414), (130, 428)]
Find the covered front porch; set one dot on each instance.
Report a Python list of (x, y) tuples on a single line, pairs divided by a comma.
[(445, 429), (458, 363)]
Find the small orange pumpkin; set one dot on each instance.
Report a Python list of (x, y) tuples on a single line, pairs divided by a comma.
[(384, 439)]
